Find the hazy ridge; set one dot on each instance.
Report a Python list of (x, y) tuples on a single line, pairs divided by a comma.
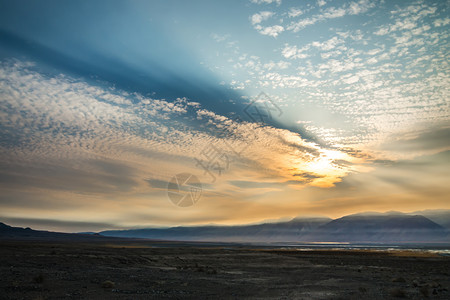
[(390, 227), (368, 227)]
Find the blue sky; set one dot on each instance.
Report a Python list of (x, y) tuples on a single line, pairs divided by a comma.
[(103, 102)]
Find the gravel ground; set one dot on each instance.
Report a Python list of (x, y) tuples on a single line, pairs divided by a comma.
[(136, 270)]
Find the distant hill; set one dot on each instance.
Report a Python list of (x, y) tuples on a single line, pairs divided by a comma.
[(18, 233), (370, 227), (290, 231), (439, 216), (391, 227), (383, 228)]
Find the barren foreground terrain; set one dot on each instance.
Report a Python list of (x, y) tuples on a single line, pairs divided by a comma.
[(139, 270)]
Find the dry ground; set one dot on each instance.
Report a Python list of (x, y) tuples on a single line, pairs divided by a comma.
[(44, 270)]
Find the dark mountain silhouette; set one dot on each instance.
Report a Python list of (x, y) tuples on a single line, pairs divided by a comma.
[(18, 233)]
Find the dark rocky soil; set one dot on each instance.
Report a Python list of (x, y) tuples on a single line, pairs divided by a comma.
[(135, 270)]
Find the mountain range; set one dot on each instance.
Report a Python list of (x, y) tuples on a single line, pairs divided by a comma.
[(431, 226), (390, 227), (18, 233)]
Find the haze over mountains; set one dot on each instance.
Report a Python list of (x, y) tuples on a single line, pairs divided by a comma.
[(273, 232), (390, 227), (379, 229), (369, 227)]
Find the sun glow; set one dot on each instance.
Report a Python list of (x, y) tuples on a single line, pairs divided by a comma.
[(324, 170)]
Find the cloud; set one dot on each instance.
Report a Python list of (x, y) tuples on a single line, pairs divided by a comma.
[(414, 179), (352, 8), (67, 142), (272, 31), (321, 3), (279, 65), (408, 18), (441, 22), (278, 2), (327, 45), (357, 72), (356, 8), (292, 52), (158, 184), (374, 87), (351, 79), (260, 17), (429, 141), (220, 38), (295, 12), (256, 184)]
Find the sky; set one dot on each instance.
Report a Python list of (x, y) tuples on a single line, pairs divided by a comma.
[(258, 109)]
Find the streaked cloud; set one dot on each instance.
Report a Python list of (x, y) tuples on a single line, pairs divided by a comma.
[(95, 140)]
